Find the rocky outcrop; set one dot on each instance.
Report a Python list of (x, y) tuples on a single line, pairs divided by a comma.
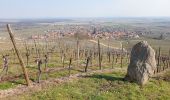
[(142, 63)]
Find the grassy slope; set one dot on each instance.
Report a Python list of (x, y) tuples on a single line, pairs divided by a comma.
[(108, 86), (95, 88)]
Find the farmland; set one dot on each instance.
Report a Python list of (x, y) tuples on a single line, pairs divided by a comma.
[(75, 47)]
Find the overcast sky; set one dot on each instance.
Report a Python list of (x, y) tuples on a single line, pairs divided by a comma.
[(83, 8)]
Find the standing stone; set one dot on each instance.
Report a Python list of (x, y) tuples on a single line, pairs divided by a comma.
[(142, 63)]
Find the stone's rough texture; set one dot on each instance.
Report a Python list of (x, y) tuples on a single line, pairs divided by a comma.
[(142, 63)]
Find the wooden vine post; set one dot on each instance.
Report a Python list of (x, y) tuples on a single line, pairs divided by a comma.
[(69, 67), (121, 60), (159, 53), (87, 63), (99, 54), (27, 52), (78, 57), (18, 55)]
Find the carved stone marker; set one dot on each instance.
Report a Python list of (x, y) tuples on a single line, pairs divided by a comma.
[(142, 63)]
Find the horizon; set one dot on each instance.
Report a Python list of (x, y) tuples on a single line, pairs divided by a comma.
[(62, 18)]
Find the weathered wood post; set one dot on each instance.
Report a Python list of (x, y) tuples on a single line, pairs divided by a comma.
[(91, 58), (27, 52), (99, 54), (46, 61), (117, 56), (36, 50), (69, 67), (87, 63), (108, 51), (78, 52), (163, 61), (18, 55), (109, 56), (46, 54), (159, 53), (113, 57), (121, 59), (62, 57)]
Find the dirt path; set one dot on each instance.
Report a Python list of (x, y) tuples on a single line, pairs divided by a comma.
[(94, 41), (20, 89), (118, 48)]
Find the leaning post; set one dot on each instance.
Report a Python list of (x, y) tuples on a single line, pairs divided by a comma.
[(18, 55)]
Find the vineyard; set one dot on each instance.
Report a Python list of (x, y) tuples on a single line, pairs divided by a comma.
[(65, 57)]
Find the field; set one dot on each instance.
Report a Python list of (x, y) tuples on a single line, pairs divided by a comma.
[(80, 68)]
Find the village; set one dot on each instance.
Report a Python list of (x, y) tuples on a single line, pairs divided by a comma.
[(87, 31)]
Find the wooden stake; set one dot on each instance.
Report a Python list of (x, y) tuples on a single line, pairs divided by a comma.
[(36, 49), (27, 52), (87, 63), (159, 53), (99, 54), (18, 55), (69, 67), (121, 59), (78, 52), (113, 57)]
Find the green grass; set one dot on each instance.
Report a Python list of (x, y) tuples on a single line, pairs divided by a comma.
[(102, 87), (7, 85), (56, 74)]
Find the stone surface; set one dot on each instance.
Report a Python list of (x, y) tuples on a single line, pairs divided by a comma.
[(142, 63)]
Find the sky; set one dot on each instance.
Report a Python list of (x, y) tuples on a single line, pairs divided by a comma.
[(83, 8)]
